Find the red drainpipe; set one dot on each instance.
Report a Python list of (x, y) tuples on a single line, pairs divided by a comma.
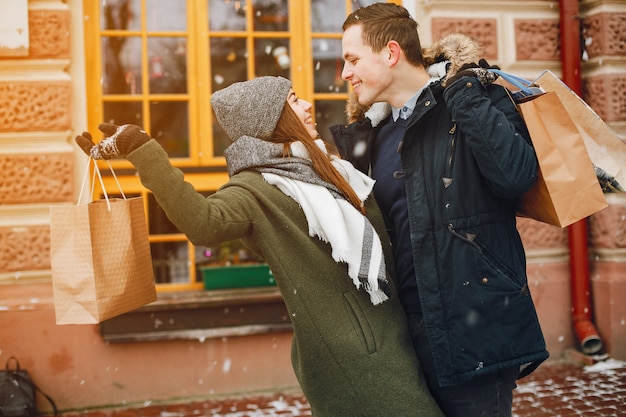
[(586, 332)]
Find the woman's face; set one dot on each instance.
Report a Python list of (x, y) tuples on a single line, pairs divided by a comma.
[(303, 111)]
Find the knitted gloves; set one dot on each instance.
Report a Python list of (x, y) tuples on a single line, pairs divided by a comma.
[(118, 141), (479, 71)]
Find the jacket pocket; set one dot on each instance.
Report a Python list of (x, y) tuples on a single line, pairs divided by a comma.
[(519, 283), (491, 259), (360, 323)]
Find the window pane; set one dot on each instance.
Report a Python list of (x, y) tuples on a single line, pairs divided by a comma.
[(227, 253), (122, 112), (228, 62), (158, 223), (121, 65), (120, 14), (327, 15), (361, 3), (327, 66), (220, 139), (271, 15), (170, 262), (168, 65), (328, 113), (169, 125), (227, 15), (166, 15), (272, 57)]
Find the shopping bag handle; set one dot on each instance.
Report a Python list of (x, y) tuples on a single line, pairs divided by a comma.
[(523, 84), (93, 181)]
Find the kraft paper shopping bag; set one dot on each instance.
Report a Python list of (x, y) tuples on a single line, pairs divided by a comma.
[(567, 189), (606, 150), (101, 261)]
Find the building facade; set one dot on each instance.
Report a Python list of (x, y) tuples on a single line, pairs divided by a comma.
[(67, 65)]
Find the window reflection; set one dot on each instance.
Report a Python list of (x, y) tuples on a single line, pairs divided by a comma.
[(327, 15), (158, 223), (121, 65), (228, 61), (327, 66), (120, 14), (271, 57), (167, 65), (169, 125), (220, 139), (227, 15), (122, 112), (170, 262), (169, 259), (166, 15), (360, 3), (328, 113), (270, 15)]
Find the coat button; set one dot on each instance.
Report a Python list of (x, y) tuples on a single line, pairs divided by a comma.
[(468, 84), (485, 280), (427, 103)]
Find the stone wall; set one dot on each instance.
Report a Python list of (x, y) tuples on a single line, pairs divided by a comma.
[(36, 158)]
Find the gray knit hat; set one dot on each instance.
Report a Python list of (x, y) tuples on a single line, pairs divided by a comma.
[(251, 108)]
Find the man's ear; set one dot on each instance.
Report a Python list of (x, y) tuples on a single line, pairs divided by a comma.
[(394, 52)]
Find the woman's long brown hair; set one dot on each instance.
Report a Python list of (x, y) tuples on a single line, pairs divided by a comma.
[(291, 129)]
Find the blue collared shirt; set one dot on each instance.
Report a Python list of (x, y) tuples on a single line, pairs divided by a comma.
[(407, 110)]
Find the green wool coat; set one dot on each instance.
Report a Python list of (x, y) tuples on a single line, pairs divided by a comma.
[(351, 358)]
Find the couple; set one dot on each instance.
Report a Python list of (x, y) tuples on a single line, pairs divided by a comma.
[(440, 321)]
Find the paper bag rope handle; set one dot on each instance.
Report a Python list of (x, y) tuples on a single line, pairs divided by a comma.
[(93, 181)]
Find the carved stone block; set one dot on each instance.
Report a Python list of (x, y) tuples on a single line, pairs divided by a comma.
[(607, 228), (484, 31), (24, 248), (604, 34), (37, 178), (605, 94), (538, 235), (29, 106), (537, 39), (49, 33)]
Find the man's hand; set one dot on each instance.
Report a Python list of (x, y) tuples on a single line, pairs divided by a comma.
[(481, 72), (119, 141)]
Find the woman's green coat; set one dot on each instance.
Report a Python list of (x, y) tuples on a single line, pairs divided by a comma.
[(351, 358)]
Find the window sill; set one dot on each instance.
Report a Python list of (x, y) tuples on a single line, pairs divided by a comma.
[(201, 315)]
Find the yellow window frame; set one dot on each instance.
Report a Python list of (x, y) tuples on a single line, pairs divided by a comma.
[(202, 169)]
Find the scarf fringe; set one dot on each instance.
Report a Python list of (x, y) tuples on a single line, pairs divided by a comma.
[(377, 296), (329, 216)]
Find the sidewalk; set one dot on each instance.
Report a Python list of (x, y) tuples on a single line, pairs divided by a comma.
[(554, 390)]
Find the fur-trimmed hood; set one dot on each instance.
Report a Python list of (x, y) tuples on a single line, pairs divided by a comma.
[(444, 58)]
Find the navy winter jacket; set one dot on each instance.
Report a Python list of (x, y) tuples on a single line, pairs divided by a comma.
[(466, 157)]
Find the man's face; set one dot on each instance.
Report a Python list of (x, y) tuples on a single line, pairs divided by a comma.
[(367, 71)]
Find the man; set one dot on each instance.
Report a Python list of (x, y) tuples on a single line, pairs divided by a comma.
[(449, 163)]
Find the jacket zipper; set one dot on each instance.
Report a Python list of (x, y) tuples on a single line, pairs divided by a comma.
[(452, 132), (464, 238)]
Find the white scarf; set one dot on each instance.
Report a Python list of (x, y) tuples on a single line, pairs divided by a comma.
[(334, 220)]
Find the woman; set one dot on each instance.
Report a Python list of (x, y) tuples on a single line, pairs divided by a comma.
[(308, 214)]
